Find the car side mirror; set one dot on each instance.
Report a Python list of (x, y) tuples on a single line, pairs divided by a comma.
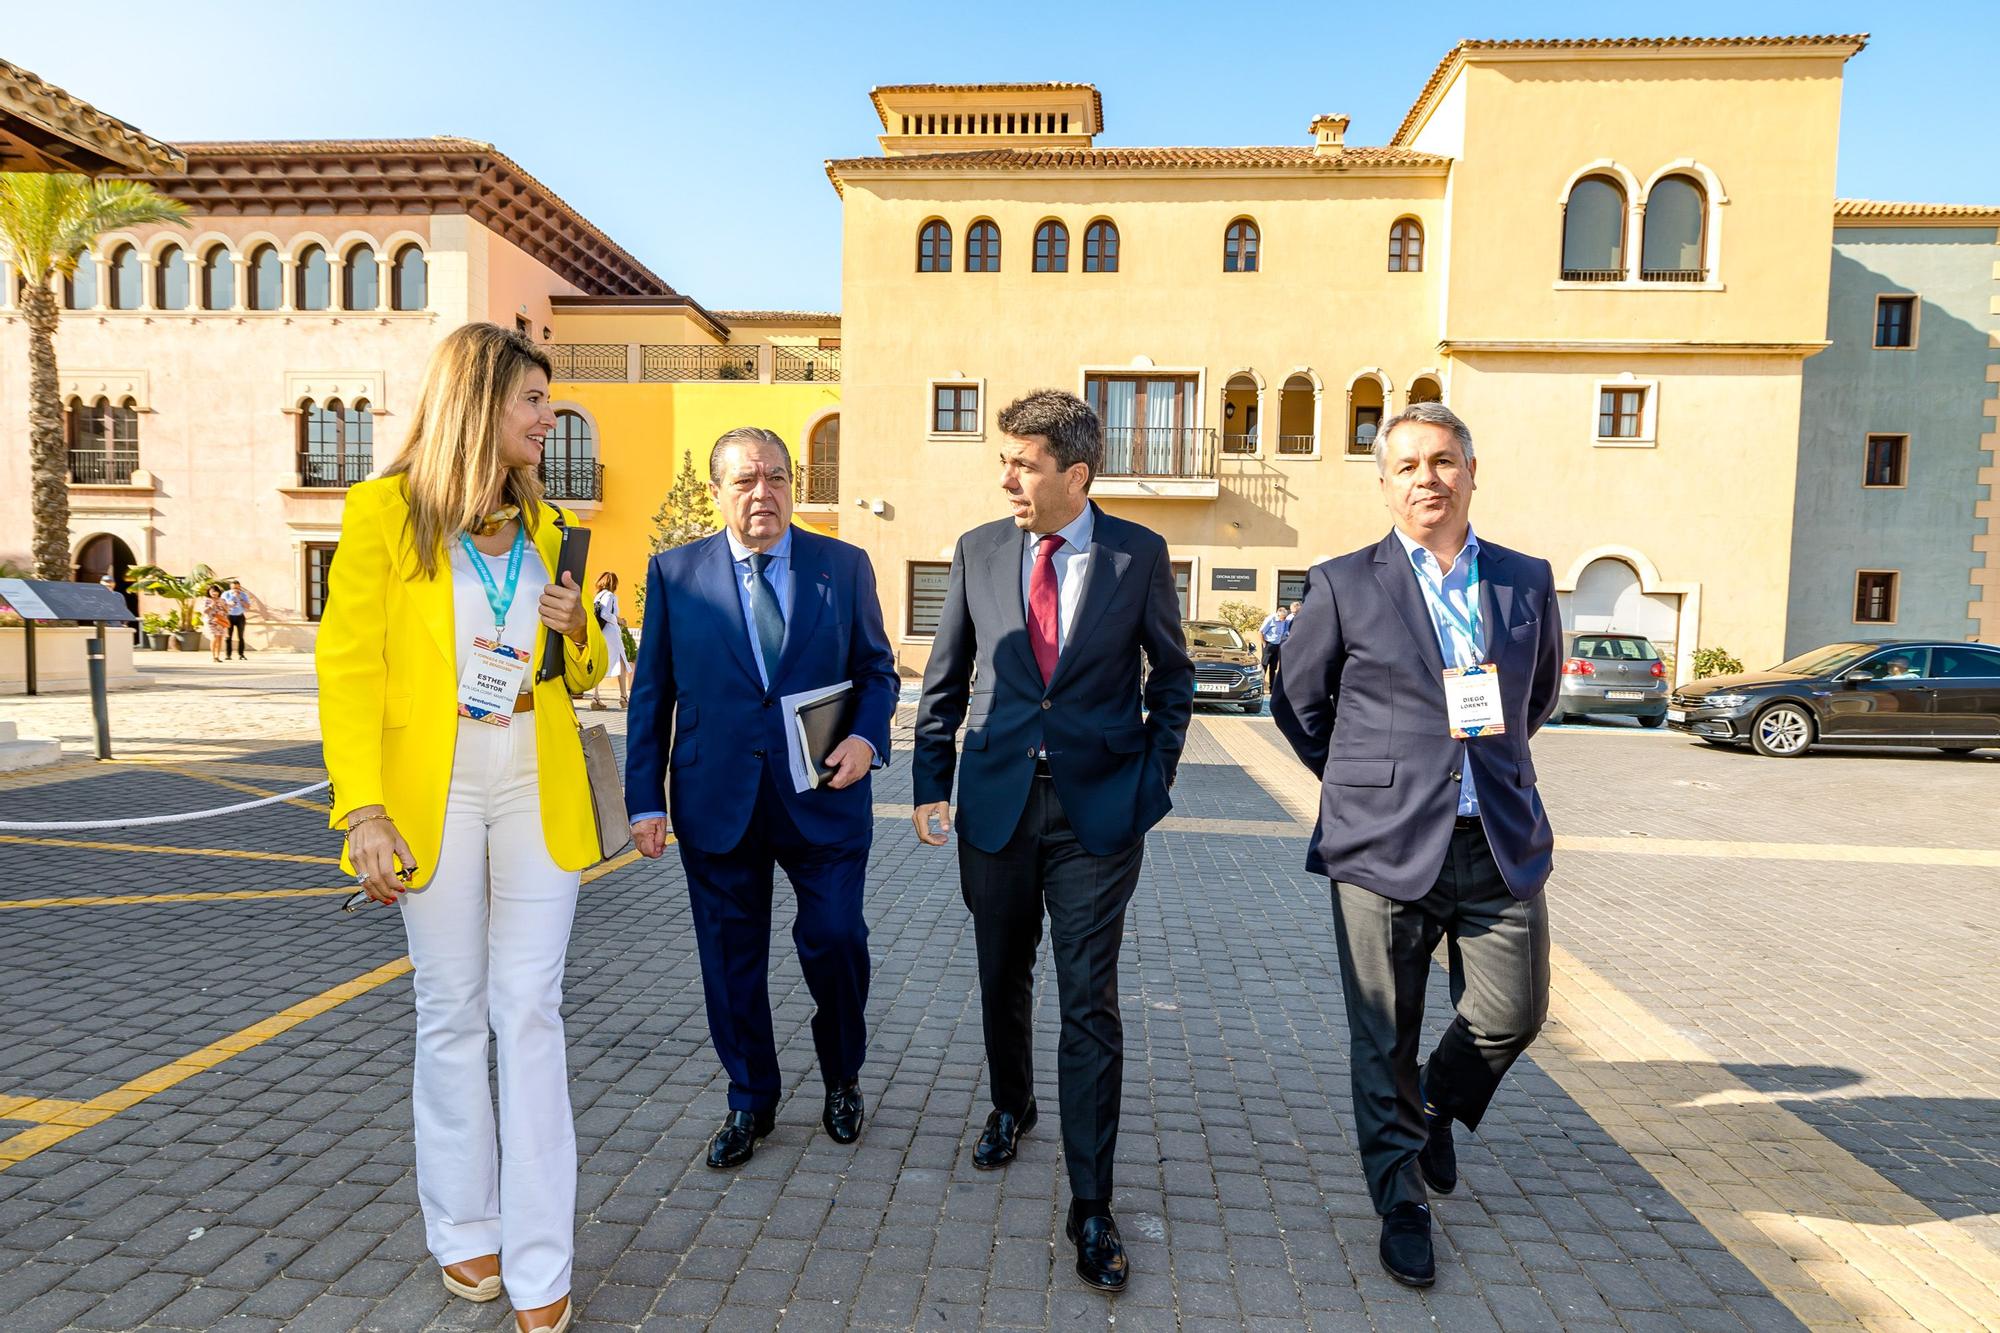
[(1857, 677)]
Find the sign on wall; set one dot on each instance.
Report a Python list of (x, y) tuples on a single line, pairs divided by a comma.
[(1233, 580)]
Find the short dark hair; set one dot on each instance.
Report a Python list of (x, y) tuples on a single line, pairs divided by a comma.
[(744, 435), (1065, 421)]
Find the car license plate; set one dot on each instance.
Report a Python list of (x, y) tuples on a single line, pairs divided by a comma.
[(1212, 689), (1677, 715), (1624, 694)]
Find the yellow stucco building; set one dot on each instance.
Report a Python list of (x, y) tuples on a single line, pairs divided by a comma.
[(1608, 256)]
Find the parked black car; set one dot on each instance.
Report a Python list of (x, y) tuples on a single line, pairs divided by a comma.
[(1608, 672), (1226, 670), (1865, 692)]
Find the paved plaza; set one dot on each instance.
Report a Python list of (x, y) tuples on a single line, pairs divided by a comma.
[(1768, 1096)]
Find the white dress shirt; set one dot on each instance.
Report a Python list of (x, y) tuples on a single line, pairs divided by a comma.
[(1072, 562), (1453, 601)]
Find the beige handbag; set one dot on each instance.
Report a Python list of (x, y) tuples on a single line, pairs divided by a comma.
[(607, 792)]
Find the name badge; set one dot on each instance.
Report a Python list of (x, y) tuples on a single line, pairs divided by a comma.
[(1472, 701), (492, 680)]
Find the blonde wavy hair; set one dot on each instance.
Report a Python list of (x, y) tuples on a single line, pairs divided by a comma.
[(453, 447)]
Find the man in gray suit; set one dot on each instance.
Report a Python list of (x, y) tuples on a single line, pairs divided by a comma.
[(1414, 676)]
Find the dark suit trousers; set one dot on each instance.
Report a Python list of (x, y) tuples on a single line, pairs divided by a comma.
[(730, 895), (1499, 958), (1086, 896)]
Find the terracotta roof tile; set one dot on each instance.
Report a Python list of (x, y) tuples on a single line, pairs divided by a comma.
[(1846, 209), (779, 316), (1278, 157), (1436, 81), (1096, 98), (122, 146)]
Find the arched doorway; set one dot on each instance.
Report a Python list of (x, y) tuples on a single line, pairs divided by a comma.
[(1610, 597), (819, 480), (107, 554)]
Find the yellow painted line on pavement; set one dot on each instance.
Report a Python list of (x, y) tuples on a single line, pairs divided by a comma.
[(227, 853), (60, 1120), (1840, 1244), (152, 899)]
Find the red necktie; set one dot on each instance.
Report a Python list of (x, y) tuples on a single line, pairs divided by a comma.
[(1045, 606)]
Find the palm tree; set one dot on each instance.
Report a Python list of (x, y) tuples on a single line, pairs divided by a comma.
[(46, 222)]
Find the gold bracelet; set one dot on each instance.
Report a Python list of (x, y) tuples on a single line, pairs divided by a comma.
[(359, 822)]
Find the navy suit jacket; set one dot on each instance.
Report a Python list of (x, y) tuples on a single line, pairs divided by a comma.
[(1361, 699), (700, 713), (1112, 768)]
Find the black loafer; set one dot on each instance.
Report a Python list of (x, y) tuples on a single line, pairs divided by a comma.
[(1002, 1138), (844, 1108), (1100, 1255), (1437, 1160), (736, 1141), (1406, 1245)]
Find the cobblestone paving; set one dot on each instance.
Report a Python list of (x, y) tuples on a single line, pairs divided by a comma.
[(274, 1191)]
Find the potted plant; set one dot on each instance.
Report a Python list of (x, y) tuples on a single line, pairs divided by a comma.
[(180, 589), (156, 627)]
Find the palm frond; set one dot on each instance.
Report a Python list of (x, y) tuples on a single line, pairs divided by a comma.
[(48, 220)]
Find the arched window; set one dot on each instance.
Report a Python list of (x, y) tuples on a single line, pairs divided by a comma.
[(80, 288), (1239, 247), (1100, 247), (103, 441), (569, 463), (1052, 248), (218, 279), (360, 279), (1676, 218), (819, 481), (170, 279), (336, 443), (267, 278), (934, 247), (1424, 389), (127, 288), (1406, 246), (125, 432), (312, 280), (982, 248), (1594, 231), (1365, 403), (409, 280)]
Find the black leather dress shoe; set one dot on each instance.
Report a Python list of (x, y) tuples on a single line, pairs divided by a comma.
[(843, 1112), (736, 1141), (1437, 1160), (1002, 1138), (1406, 1245), (1100, 1255)]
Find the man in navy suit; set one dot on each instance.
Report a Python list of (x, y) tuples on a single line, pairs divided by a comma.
[(735, 622), (1427, 835), (1041, 633)]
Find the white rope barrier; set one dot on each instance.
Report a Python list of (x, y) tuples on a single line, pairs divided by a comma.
[(76, 825)]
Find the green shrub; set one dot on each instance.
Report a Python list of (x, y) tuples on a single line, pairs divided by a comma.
[(1241, 617), (1716, 662)]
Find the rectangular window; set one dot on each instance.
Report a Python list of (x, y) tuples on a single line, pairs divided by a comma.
[(929, 580), (1291, 586), (1896, 321), (1183, 581), (955, 409), (1875, 597), (1620, 412), (319, 564), (1888, 461), (1151, 425)]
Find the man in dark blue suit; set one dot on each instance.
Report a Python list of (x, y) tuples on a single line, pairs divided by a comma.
[(1427, 834), (733, 624), (1041, 633)]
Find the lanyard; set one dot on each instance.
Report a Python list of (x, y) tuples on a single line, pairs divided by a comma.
[(499, 600), (1467, 625)]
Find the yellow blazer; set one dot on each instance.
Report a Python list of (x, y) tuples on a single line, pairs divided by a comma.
[(388, 687)]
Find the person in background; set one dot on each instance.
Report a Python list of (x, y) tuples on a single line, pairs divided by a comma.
[(459, 777), (604, 606), (215, 619), (237, 602), (1272, 632)]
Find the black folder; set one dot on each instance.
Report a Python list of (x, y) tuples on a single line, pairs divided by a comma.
[(823, 726), (570, 560)]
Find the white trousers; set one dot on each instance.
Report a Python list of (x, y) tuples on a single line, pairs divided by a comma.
[(488, 937)]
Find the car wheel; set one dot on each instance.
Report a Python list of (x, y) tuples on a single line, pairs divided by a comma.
[(1659, 721), (1782, 731)]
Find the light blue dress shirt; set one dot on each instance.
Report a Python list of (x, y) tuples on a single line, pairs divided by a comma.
[(1457, 591), (778, 574), (1072, 562)]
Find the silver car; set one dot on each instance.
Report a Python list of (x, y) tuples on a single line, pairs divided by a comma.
[(1606, 672)]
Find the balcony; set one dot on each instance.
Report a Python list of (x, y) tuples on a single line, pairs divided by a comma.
[(590, 361), (1674, 275), (334, 471), (102, 467), (1158, 462), (799, 365), (1593, 275), (1239, 444), (573, 479), (678, 363), (817, 485), (1296, 445)]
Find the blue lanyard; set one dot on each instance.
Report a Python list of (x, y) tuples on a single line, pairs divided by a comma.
[(1468, 626), (500, 600)]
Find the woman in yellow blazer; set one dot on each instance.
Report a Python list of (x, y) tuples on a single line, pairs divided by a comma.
[(460, 783)]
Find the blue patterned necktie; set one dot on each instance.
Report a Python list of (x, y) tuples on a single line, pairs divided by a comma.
[(769, 619)]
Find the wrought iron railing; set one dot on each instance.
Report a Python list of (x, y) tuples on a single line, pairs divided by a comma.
[(670, 361), (102, 467), (335, 470), (1175, 452), (1674, 274), (792, 364), (1239, 443), (817, 484), (1593, 275), (1297, 444), (572, 479), (590, 361)]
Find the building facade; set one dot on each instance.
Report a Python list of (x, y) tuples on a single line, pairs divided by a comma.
[(1608, 256), (1895, 522)]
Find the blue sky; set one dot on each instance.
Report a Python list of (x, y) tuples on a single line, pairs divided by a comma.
[(695, 134)]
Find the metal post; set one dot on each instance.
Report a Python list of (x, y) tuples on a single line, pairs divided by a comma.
[(28, 647), (100, 707)]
